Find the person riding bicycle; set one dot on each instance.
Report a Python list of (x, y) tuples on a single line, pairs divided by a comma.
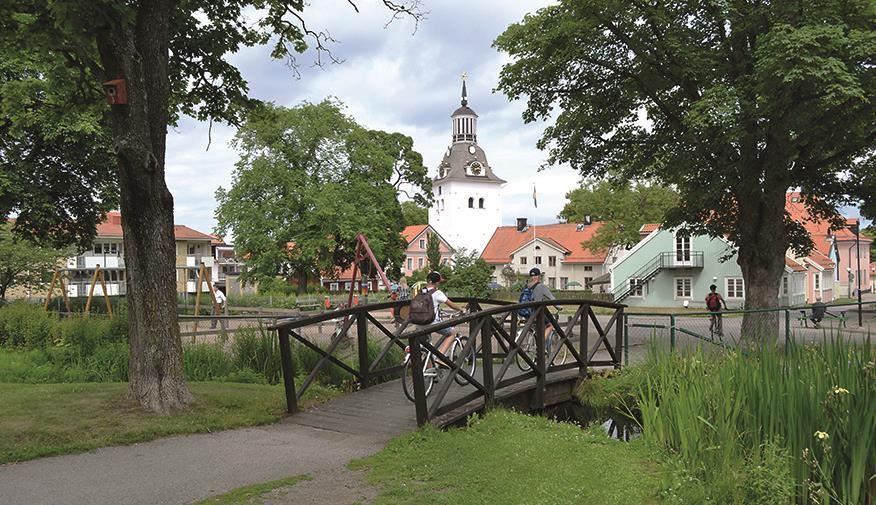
[(534, 291), (714, 300), (433, 280)]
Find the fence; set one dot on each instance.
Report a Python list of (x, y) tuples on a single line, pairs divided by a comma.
[(691, 328)]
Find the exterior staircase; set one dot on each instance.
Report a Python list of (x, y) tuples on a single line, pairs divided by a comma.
[(662, 261)]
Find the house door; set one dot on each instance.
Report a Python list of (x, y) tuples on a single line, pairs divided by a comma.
[(682, 249)]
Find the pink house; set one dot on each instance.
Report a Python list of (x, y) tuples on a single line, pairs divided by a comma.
[(417, 238), (848, 272)]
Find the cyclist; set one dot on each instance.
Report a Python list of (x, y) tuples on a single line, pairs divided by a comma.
[(535, 291), (714, 300), (433, 280)]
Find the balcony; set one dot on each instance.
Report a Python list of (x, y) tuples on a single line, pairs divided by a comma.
[(195, 261), (681, 259)]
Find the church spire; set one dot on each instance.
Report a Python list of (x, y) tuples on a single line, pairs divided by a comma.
[(464, 93)]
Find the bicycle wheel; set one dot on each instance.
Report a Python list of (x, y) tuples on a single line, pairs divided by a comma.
[(554, 343), (468, 364), (527, 346), (408, 379)]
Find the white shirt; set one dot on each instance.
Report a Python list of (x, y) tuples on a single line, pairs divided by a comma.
[(220, 296), (438, 297)]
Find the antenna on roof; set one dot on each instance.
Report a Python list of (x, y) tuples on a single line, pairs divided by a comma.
[(464, 76)]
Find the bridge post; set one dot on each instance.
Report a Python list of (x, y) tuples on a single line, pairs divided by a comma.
[(584, 351), (288, 371), (419, 384), (541, 367), (486, 331), (362, 342), (618, 337)]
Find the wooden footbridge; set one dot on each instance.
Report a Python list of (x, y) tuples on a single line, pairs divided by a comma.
[(364, 346)]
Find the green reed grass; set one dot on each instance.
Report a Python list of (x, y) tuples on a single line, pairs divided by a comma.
[(817, 404)]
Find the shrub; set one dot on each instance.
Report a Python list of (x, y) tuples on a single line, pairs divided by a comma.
[(206, 362), (109, 363), (258, 350), (245, 376), (83, 333), (25, 325)]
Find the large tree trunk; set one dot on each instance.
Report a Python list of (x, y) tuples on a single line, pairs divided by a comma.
[(761, 256), (139, 130)]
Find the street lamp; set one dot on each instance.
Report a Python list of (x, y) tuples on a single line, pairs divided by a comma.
[(856, 229)]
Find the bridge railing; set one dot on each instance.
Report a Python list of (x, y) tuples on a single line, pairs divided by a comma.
[(364, 342), (494, 333)]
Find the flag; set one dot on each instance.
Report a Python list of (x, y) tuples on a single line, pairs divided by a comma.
[(534, 200)]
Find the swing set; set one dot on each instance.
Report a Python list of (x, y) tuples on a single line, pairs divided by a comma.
[(58, 278)]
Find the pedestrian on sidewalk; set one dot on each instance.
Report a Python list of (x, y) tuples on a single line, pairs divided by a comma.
[(218, 305)]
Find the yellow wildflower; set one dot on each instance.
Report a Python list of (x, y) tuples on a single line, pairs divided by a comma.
[(820, 435)]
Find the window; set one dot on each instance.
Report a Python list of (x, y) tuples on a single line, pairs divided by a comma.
[(588, 268), (114, 248), (636, 288), (785, 285), (333, 286), (588, 281), (480, 203), (538, 260), (552, 261), (523, 260), (470, 202), (683, 287), (193, 275), (191, 250), (419, 263), (734, 287), (347, 285), (423, 243), (816, 281), (564, 282), (410, 264), (552, 282), (439, 190), (98, 248)]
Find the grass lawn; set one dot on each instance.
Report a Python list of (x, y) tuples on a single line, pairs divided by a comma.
[(46, 419), (251, 495), (511, 458)]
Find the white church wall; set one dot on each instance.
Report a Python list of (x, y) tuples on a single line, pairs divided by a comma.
[(461, 225)]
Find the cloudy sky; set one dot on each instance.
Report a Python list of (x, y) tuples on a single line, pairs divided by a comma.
[(395, 80), (392, 79)]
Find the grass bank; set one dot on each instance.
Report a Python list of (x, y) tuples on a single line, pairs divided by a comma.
[(48, 419), (512, 458), (254, 494)]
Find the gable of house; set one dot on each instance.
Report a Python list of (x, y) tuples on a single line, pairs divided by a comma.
[(563, 236)]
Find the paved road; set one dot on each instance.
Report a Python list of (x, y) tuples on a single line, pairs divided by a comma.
[(182, 469)]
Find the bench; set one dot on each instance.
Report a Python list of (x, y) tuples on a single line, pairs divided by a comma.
[(805, 318)]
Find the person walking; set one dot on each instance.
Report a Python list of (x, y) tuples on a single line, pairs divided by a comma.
[(714, 301), (218, 305)]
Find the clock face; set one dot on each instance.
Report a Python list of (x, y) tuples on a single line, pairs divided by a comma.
[(472, 149), (475, 168)]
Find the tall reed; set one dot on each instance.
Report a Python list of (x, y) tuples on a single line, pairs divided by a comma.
[(817, 404)]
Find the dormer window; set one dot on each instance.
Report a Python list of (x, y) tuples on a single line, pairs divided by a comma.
[(470, 202)]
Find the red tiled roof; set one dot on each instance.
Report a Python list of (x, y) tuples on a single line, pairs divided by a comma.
[(647, 228), (797, 267), (506, 239), (411, 232), (111, 227)]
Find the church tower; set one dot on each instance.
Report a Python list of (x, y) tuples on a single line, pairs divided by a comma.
[(466, 193)]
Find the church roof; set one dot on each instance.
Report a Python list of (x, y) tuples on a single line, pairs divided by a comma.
[(459, 156), (464, 111)]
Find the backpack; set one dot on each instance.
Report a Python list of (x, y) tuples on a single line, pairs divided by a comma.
[(422, 310), (525, 296), (713, 302)]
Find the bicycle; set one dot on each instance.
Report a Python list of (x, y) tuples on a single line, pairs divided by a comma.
[(435, 372), (528, 346)]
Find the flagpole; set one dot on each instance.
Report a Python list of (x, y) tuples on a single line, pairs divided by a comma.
[(535, 206)]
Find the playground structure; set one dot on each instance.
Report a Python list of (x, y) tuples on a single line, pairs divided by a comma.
[(58, 278)]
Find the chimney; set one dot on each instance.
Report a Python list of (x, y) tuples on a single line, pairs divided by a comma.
[(521, 223)]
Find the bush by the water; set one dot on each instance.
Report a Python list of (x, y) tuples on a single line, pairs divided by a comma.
[(771, 426)]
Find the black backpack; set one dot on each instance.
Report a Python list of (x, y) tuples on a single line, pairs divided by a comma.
[(422, 309)]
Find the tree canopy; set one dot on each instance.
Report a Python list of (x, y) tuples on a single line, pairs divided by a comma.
[(414, 213), (24, 263), (731, 103), (469, 275), (308, 181), (623, 207)]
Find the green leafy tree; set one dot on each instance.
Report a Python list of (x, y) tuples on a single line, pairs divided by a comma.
[(623, 208), (173, 59), (870, 232), (414, 213), (470, 275), (743, 101), (433, 252), (24, 263), (308, 181)]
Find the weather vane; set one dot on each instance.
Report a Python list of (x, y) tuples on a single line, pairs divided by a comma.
[(464, 76)]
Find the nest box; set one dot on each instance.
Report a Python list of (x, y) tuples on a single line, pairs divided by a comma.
[(116, 94)]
